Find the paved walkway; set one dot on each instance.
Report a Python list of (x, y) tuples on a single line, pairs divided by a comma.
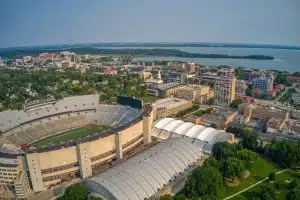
[(251, 186)]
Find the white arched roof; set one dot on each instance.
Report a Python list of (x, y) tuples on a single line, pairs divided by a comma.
[(183, 128), (206, 137), (141, 176), (207, 134), (195, 131), (173, 125), (163, 123)]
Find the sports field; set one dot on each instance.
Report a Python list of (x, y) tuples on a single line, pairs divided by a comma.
[(74, 134)]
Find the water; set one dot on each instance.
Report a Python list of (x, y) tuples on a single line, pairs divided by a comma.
[(285, 59)]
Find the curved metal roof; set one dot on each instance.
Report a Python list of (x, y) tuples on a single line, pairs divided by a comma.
[(173, 125), (205, 137), (142, 176), (195, 131), (183, 128)]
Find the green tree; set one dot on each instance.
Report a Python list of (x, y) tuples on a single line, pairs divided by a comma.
[(249, 157), (94, 198), (285, 153), (203, 181), (166, 197), (293, 194), (249, 140), (232, 167), (235, 103), (179, 196), (267, 194), (272, 176), (76, 191)]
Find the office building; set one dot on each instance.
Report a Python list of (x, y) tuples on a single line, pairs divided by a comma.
[(195, 93), (224, 91), (262, 86), (169, 107)]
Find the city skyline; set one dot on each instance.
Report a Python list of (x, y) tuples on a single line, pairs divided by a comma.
[(72, 22)]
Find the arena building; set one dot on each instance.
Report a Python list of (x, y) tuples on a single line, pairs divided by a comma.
[(149, 173), (54, 141)]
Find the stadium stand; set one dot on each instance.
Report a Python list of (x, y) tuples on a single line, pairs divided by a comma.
[(24, 127)]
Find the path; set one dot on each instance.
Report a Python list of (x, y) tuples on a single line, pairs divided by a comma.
[(251, 186)]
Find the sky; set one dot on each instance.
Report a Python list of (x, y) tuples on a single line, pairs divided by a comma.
[(42, 22)]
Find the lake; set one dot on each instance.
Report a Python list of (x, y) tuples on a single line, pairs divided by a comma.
[(285, 59)]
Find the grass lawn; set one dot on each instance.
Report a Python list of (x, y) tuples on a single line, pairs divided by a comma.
[(280, 193), (69, 135), (149, 98), (260, 170)]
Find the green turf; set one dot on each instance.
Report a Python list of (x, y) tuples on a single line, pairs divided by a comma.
[(260, 170), (280, 193), (149, 99), (74, 134)]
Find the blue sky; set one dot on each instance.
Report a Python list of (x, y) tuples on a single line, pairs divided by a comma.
[(39, 22)]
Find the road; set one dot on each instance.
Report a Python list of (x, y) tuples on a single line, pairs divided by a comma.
[(251, 186), (277, 98)]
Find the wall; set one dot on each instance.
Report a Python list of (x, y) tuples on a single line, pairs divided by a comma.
[(49, 168)]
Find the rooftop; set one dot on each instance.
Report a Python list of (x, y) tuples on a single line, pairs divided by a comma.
[(169, 102)]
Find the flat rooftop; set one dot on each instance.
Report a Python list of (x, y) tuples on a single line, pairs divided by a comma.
[(169, 102)]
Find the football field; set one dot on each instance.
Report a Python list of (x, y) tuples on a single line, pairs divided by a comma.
[(70, 135)]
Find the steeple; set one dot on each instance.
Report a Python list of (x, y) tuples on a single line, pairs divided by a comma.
[(159, 75)]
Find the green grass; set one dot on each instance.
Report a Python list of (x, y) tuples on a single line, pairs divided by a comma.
[(149, 99), (280, 193), (74, 134), (260, 170)]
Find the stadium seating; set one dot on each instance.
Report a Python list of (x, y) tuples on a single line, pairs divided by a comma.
[(80, 115)]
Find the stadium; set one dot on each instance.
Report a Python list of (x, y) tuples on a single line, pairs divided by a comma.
[(52, 142), (55, 141)]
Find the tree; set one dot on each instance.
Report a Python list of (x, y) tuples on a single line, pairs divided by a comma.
[(207, 197), (212, 162), (203, 181), (179, 196), (222, 150), (235, 103), (76, 191), (272, 176), (267, 194), (232, 167), (249, 140), (94, 198), (293, 194), (249, 157), (166, 197), (285, 153)]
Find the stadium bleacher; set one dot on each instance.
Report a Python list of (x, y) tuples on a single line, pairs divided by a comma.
[(48, 121)]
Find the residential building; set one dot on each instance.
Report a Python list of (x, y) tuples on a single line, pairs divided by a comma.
[(259, 117), (191, 68), (165, 90), (240, 88), (262, 86), (296, 96), (224, 91), (169, 77), (13, 174), (226, 72), (208, 78), (218, 118), (169, 107), (195, 93)]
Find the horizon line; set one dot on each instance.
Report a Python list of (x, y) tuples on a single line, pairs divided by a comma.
[(214, 44)]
